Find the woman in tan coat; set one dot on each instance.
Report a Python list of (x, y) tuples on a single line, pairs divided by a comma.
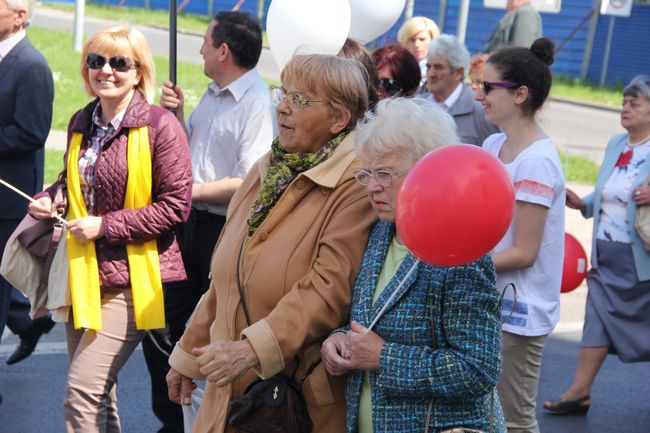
[(298, 227)]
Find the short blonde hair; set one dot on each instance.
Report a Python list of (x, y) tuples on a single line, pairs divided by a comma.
[(409, 127), (340, 81), (415, 25), (122, 41)]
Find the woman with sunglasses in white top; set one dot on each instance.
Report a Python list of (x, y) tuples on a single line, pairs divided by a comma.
[(529, 258), (128, 181)]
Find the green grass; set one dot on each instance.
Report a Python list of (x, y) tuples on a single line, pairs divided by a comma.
[(69, 94), (159, 18), (579, 169), (53, 165), (189, 23), (574, 88)]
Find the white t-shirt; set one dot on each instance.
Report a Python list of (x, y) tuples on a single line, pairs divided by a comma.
[(613, 224), (538, 178)]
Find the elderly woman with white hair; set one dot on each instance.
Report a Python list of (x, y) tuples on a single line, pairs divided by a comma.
[(432, 361)]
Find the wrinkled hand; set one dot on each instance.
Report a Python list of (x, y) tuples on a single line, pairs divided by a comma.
[(574, 201), (171, 96), (334, 354), (222, 362), (42, 208), (87, 228), (364, 347), (179, 387), (641, 195)]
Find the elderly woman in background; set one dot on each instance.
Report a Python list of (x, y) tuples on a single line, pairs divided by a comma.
[(128, 182), (415, 35), (397, 70), (292, 243), (432, 361), (476, 65), (617, 316)]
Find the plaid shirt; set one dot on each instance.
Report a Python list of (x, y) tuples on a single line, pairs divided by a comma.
[(100, 133)]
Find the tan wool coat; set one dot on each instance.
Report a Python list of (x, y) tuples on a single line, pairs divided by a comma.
[(297, 273)]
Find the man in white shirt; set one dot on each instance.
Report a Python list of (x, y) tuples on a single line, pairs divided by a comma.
[(447, 64), (230, 129), (26, 96)]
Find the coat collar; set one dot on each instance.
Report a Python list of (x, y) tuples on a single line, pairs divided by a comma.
[(138, 114), (464, 104), (12, 56), (328, 173), (376, 254)]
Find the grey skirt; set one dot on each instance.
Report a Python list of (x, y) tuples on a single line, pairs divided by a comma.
[(618, 305)]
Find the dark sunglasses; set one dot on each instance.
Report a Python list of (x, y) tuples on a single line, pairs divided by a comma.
[(117, 63), (389, 86), (489, 85)]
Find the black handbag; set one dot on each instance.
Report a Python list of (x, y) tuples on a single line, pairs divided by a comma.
[(275, 405)]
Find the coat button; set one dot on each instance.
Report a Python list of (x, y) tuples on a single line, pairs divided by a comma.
[(301, 184), (102, 159), (264, 235)]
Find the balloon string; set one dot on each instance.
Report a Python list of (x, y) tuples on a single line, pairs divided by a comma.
[(392, 296), (19, 192)]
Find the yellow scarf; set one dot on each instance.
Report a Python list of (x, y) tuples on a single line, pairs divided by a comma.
[(144, 264)]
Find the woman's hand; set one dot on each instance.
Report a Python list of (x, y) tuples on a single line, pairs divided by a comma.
[(179, 387), (86, 229), (222, 362), (641, 195), (364, 347), (42, 208), (574, 201), (335, 354)]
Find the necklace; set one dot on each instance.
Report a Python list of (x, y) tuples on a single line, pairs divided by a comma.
[(635, 144)]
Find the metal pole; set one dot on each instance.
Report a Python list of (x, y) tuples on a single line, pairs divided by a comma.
[(442, 14), (211, 8), (608, 46), (79, 25), (589, 42), (172, 41), (463, 13), (260, 10), (408, 9)]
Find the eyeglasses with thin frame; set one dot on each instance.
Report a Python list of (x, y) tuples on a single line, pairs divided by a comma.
[(117, 63), (295, 100), (383, 177), (390, 86), (488, 86)]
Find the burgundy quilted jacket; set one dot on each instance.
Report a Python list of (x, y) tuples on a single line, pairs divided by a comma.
[(172, 190)]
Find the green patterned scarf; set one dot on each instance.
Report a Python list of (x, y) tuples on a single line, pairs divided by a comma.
[(284, 167)]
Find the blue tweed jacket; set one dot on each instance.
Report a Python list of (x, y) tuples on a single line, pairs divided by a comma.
[(458, 370)]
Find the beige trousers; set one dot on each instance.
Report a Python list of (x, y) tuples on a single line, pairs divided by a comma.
[(96, 357), (517, 387)]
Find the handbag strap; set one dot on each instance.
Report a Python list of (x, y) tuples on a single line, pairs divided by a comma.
[(242, 298)]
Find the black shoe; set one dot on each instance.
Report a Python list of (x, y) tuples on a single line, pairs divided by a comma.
[(29, 337), (568, 407)]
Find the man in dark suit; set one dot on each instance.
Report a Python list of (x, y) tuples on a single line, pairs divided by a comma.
[(27, 93)]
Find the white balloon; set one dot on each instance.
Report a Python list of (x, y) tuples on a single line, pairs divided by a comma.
[(306, 27), (372, 18)]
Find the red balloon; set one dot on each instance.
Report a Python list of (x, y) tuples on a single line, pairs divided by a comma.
[(455, 205), (575, 264)]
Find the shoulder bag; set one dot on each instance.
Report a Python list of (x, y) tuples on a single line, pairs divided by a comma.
[(643, 220), (29, 252), (275, 405)]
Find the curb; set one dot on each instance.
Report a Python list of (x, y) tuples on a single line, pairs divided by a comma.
[(586, 104)]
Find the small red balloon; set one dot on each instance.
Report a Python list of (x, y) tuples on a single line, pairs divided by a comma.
[(575, 264), (455, 205)]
